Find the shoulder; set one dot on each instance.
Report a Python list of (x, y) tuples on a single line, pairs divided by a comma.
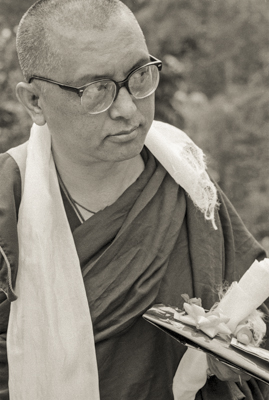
[(10, 179), (165, 140), (8, 165), (12, 165), (10, 198), (168, 129)]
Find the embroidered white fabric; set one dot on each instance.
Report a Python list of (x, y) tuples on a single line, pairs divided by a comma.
[(185, 162)]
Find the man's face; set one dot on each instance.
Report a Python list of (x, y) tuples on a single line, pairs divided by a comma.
[(116, 134)]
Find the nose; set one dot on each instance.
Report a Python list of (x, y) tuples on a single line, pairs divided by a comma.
[(123, 106)]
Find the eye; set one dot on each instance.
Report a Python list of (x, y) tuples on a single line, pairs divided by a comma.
[(98, 95), (99, 86), (140, 77), (141, 74), (103, 86), (144, 81)]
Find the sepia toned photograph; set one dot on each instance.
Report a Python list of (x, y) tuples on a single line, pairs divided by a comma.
[(134, 171)]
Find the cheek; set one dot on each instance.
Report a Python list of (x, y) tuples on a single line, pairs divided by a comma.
[(77, 131), (65, 122), (147, 108), (60, 106)]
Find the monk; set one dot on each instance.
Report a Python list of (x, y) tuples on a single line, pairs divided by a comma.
[(94, 229)]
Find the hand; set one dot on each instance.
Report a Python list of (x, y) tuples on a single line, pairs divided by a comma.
[(225, 372)]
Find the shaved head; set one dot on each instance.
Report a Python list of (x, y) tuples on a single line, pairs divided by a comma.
[(37, 49)]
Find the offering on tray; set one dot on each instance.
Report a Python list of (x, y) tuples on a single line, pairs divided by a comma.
[(212, 331)]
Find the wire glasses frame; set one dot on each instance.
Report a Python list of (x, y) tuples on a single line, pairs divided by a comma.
[(111, 88)]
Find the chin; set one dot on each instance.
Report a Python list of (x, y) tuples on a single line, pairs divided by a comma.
[(131, 151), (128, 155), (126, 150)]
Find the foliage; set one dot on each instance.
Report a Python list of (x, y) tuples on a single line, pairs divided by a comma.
[(214, 85)]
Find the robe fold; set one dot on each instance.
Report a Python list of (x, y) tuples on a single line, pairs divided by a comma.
[(150, 246)]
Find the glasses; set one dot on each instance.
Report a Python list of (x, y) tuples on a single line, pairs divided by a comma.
[(96, 97)]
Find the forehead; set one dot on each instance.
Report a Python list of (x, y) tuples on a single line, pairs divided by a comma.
[(92, 53)]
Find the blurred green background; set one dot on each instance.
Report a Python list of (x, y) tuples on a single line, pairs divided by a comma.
[(214, 85)]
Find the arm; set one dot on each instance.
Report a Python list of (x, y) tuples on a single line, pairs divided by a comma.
[(4, 315), (240, 249), (10, 184)]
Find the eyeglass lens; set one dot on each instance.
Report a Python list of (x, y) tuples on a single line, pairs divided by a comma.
[(99, 96)]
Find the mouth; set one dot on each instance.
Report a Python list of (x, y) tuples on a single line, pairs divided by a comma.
[(126, 132), (125, 135)]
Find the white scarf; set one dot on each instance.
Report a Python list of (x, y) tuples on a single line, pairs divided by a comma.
[(50, 343)]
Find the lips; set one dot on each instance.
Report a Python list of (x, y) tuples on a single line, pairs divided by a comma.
[(125, 132), (125, 136)]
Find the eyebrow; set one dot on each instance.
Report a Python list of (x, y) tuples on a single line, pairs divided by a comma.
[(91, 78)]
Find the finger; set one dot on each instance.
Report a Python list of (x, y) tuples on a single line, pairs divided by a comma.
[(244, 335)]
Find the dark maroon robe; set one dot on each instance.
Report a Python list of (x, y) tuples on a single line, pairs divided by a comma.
[(150, 246)]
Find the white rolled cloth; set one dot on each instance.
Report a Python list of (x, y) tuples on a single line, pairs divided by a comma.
[(246, 295)]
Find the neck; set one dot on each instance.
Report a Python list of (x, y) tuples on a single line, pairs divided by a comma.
[(98, 185)]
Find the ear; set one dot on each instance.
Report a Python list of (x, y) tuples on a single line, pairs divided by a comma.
[(29, 95)]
